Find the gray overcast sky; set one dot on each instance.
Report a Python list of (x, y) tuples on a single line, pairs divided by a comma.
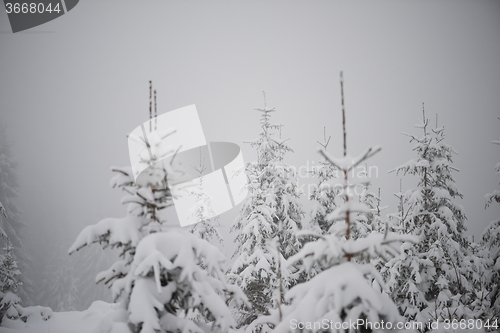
[(71, 89)]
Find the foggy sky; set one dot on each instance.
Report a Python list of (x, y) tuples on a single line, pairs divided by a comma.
[(71, 89)]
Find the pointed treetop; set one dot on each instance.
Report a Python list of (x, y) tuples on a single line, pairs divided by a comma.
[(325, 141), (150, 104), (200, 169), (265, 109), (343, 112), (425, 121), (156, 114)]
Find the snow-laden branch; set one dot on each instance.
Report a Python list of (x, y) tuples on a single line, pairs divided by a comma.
[(347, 162)]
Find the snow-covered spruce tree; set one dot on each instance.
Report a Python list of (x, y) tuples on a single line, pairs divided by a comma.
[(143, 206), (9, 282), (343, 292), (266, 226), (10, 302), (10, 219), (13, 258), (375, 221), (167, 286), (325, 199), (433, 279), (203, 210), (324, 196), (158, 281), (495, 195), (491, 252)]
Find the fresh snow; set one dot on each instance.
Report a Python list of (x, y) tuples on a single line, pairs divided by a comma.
[(63, 322)]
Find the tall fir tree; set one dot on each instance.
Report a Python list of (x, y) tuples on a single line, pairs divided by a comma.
[(432, 280), (13, 258), (203, 209), (158, 282), (266, 226), (343, 291), (490, 251), (324, 196), (11, 224), (9, 282)]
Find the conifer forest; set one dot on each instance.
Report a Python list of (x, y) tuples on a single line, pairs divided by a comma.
[(294, 167)]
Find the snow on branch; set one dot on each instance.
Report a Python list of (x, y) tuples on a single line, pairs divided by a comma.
[(267, 110), (113, 231), (347, 162), (330, 250), (342, 289), (165, 276)]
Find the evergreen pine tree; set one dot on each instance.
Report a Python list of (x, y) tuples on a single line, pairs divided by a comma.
[(432, 279), (11, 224), (9, 282), (158, 281), (266, 226), (203, 210), (495, 195), (324, 195), (374, 219), (343, 291), (13, 259), (491, 252)]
